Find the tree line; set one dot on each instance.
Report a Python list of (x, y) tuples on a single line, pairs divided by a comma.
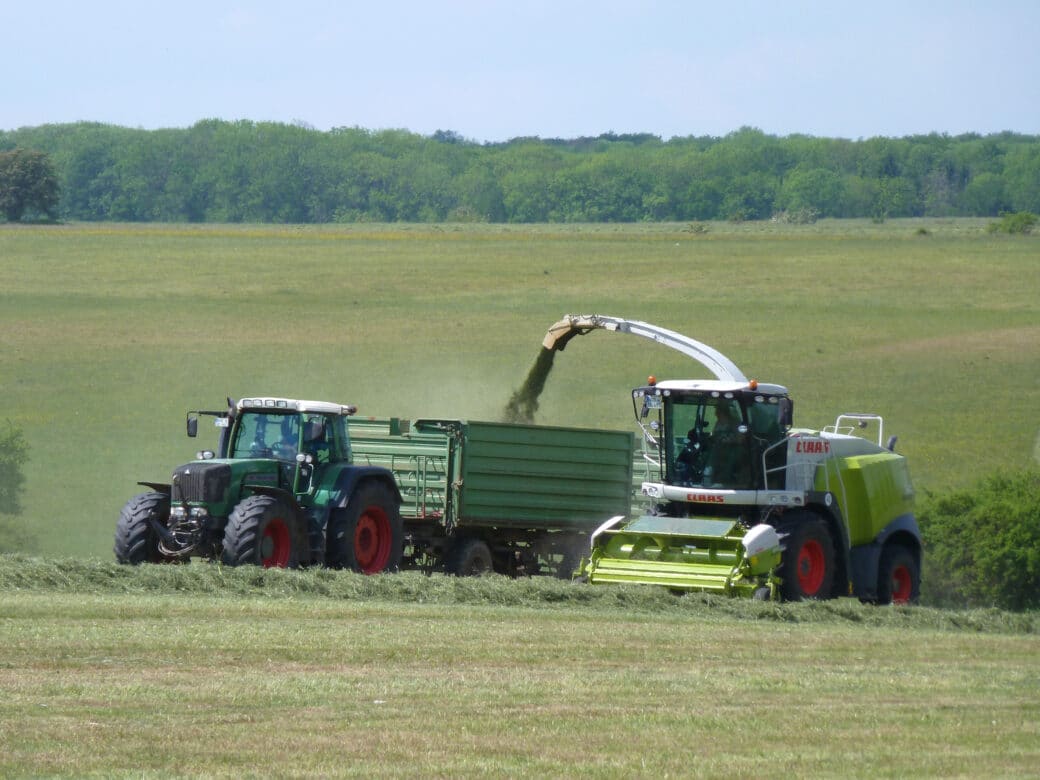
[(244, 171)]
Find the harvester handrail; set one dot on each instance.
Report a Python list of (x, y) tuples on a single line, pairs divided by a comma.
[(861, 419)]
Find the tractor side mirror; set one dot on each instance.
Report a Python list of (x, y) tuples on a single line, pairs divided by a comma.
[(193, 426), (786, 412)]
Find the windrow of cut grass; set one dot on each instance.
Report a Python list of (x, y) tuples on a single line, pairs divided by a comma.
[(108, 333), (25, 574)]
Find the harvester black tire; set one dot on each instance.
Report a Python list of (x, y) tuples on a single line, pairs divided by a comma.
[(136, 539), (470, 557), (899, 580), (809, 561), (263, 531), (367, 535)]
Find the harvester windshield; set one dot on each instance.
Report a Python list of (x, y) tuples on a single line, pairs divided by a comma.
[(710, 438)]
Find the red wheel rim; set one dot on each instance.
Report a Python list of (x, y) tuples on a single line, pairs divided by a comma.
[(372, 540), (902, 585), (812, 566), (275, 545)]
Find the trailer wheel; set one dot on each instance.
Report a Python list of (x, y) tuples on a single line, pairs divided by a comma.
[(470, 558), (899, 581), (808, 563), (366, 536), (136, 540), (262, 531)]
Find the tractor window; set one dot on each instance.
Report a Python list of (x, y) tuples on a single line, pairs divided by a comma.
[(259, 435), (339, 443)]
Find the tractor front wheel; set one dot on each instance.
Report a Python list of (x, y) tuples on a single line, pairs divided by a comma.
[(136, 539), (899, 581), (262, 532), (808, 563), (367, 535)]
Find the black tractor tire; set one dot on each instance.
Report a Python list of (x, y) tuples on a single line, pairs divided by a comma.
[(367, 535), (809, 560), (899, 579), (136, 539), (470, 557), (263, 531)]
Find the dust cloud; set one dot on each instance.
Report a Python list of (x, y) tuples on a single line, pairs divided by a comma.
[(524, 402)]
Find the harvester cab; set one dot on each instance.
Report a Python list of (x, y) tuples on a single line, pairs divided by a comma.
[(281, 489), (741, 502)]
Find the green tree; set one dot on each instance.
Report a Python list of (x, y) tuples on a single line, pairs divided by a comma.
[(28, 185)]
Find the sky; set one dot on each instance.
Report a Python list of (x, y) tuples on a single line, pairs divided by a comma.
[(491, 71)]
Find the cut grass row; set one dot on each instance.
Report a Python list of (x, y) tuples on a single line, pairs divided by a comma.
[(208, 672)]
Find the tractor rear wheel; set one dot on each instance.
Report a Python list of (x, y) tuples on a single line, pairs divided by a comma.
[(899, 581), (807, 569), (470, 558), (262, 531), (367, 535), (136, 539)]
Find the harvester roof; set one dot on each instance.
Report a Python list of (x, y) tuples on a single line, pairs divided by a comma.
[(719, 386)]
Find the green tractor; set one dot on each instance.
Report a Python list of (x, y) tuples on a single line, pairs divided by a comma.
[(281, 491), (740, 502)]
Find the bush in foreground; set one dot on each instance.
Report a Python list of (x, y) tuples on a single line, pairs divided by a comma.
[(982, 545)]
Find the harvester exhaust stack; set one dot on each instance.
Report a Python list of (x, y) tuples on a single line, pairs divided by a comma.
[(579, 324)]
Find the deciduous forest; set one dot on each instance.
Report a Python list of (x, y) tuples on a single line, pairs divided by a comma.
[(244, 171)]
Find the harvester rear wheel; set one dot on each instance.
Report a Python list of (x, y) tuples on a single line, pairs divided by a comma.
[(136, 539), (470, 558), (899, 581), (262, 532), (808, 563), (367, 535)]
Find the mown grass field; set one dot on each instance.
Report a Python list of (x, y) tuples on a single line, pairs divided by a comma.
[(210, 672), (109, 333)]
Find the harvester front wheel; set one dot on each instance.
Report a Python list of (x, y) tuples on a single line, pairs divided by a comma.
[(136, 539), (367, 535), (808, 563), (899, 581), (262, 532), (470, 558)]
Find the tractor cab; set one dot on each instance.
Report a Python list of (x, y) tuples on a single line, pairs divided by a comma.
[(294, 439), (715, 434)]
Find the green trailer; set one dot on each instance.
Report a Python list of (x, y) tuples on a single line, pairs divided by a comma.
[(516, 499), (292, 483)]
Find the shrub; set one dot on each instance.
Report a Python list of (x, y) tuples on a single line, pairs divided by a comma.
[(14, 453), (1018, 223), (982, 545)]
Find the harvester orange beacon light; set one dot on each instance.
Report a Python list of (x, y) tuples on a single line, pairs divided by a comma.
[(651, 380)]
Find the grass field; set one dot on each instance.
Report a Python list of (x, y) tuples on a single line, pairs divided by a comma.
[(109, 333), (208, 672)]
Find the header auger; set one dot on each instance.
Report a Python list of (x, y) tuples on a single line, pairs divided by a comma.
[(741, 502)]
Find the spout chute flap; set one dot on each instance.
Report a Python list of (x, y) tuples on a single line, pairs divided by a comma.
[(579, 324)]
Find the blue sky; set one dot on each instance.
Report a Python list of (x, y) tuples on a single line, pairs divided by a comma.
[(550, 68)]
